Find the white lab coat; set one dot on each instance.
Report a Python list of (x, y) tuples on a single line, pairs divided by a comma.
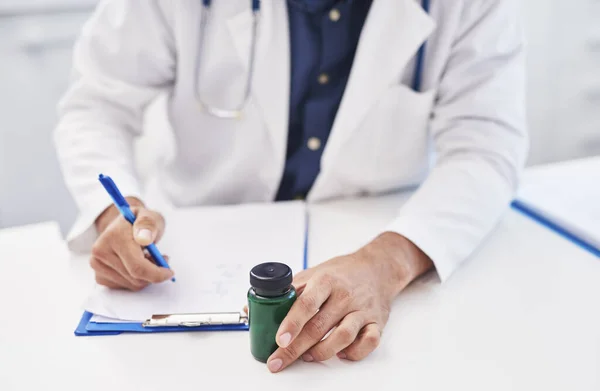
[(462, 140)]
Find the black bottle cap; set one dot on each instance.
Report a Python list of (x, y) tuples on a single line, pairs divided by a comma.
[(271, 279)]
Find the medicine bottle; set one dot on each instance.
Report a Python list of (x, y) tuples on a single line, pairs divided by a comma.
[(270, 297)]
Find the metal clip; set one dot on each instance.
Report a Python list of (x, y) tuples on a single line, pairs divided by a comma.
[(196, 320)]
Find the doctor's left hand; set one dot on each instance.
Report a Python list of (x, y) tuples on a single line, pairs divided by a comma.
[(350, 295)]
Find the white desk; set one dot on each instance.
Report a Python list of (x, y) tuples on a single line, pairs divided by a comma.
[(522, 314)]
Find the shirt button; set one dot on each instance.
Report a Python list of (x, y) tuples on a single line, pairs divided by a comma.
[(323, 78), (334, 15), (313, 143)]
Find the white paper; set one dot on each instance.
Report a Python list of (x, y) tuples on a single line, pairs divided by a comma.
[(104, 319), (211, 250), (568, 195)]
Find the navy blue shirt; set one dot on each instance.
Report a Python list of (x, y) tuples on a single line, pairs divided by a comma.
[(324, 35)]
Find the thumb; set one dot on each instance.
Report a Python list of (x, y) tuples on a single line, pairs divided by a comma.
[(147, 227)]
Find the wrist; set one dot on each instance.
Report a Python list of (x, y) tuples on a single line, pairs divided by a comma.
[(109, 214), (398, 261)]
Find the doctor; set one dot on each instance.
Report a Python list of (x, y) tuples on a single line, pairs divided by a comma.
[(345, 98)]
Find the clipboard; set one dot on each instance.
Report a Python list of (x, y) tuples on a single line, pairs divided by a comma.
[(565, 233), (165, 323), (562, 196)]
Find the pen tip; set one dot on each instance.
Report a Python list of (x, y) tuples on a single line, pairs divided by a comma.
[(173, 279)]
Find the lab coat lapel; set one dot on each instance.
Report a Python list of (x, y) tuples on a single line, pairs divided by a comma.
[(393, 32), (271, 80)]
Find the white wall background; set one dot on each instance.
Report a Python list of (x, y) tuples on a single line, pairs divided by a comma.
[(564, 78), (35, 53)]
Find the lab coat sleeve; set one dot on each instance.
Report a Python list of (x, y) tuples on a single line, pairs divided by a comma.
[(123, 59), (479, 132)]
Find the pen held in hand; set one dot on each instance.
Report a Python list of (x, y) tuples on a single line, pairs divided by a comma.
[(125, 210)]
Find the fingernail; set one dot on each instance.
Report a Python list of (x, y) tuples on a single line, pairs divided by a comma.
[(284, 340), (307, 357), (144, 234), (342, 355), (275, 365)]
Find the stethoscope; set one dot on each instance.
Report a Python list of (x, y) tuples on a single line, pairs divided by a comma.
[(236, 111)]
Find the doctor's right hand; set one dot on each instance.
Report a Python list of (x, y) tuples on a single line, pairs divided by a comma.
[(118, 257)]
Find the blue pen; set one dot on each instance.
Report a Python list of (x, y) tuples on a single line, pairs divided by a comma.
[(125, 210)]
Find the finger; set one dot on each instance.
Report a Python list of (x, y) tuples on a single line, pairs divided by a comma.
[(110, 278), (107, 283), (341, 337), (139, 267), (109, 274), (313, 332), (367, 341), (246, 309), (301, 279), (104, 254), (149, 257), (303, 309), (115, 281), (148, 227)]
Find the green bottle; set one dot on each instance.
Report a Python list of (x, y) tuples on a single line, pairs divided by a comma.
[(270, 297)]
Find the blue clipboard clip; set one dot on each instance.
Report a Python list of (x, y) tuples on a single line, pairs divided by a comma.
[(197, 320)]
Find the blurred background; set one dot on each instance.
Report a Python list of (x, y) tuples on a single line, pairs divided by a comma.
[(36, 38)]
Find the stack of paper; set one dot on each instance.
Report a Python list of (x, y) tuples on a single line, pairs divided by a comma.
[(211, 250), (568, 196)]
